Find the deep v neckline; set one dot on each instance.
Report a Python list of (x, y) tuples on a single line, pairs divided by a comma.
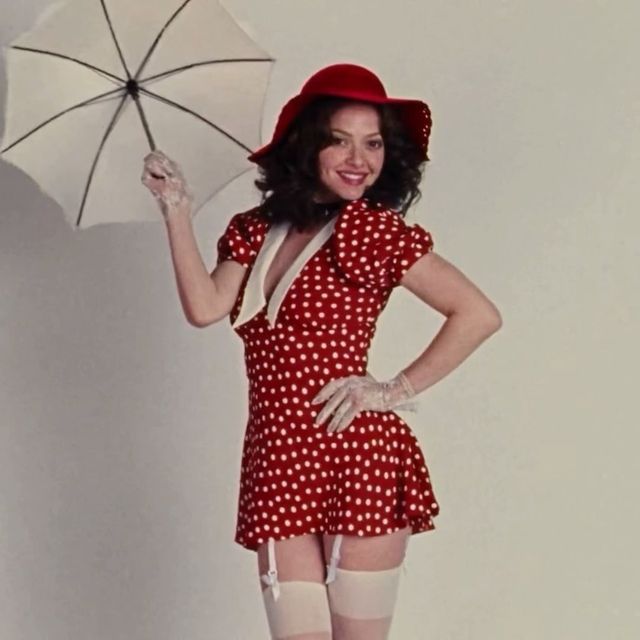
[(285, 273), (254, 299)]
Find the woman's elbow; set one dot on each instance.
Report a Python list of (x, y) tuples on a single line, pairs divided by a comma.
[(198, 324), (485, 316), (201, 321), (492, 318)]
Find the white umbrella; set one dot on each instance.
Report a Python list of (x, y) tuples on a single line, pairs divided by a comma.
[(96, 84)]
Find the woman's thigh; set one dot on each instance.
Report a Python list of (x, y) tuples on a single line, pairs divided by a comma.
[(297, 558), (363, 592), (374, 553)]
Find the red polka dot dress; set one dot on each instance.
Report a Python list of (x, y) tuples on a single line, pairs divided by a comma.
[(297, 478)]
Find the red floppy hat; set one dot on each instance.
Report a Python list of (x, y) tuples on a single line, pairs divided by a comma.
[(356, 83)]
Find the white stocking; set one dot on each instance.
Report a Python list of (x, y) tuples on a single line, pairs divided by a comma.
[(296, 609), (361, 602)]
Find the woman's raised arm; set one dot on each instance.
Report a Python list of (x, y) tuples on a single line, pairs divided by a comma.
[(205, 298)]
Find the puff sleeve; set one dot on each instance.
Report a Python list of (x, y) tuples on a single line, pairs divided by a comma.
[(239, 240), (376, 247)]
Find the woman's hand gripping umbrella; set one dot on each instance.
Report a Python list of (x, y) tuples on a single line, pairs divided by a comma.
[(166, 182)]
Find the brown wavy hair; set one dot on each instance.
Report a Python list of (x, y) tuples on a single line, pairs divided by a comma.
[(288, 175)]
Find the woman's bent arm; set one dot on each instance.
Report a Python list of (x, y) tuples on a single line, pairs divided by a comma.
[(205, 298), (471, 318)]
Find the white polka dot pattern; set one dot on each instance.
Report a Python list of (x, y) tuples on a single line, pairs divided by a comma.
[(296, 478), (239, 239), (375, 247)]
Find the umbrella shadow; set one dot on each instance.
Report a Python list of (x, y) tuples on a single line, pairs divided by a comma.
[(92, 393)]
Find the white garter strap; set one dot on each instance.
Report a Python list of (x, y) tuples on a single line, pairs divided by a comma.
[(406, 548), (335, 557), (333, 562), (271, 577)]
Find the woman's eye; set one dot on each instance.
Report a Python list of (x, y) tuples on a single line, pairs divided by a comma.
[(376, 144), (336, 140)]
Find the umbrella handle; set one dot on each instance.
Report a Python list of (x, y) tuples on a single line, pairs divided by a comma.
[(164, 178)]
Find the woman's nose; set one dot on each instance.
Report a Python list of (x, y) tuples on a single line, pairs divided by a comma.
[(355, 156)]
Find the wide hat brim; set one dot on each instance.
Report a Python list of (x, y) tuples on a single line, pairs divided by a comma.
[(354, 83)]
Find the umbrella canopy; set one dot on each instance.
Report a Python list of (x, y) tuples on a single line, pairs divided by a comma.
[(96, 84)]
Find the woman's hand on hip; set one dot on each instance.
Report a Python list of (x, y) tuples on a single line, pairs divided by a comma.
[(347, 397)]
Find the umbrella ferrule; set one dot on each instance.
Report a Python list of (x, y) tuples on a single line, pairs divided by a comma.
[(133, 88)]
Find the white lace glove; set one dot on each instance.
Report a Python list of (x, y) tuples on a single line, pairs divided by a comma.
[(347, 397), (163, 177)]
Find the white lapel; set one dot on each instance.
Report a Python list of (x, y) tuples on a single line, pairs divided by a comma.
[(254, 300), (292, 272)]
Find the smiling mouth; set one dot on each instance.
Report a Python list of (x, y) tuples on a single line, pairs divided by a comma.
[(352, 178)]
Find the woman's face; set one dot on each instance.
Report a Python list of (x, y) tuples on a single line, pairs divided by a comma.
[(353, 161)]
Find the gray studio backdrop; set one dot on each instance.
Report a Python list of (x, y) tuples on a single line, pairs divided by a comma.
[(121, 425)]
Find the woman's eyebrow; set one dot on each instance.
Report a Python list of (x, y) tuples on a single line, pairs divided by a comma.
[(346, 133)]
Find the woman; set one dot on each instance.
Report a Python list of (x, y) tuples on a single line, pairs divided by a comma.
[(333, 482)]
